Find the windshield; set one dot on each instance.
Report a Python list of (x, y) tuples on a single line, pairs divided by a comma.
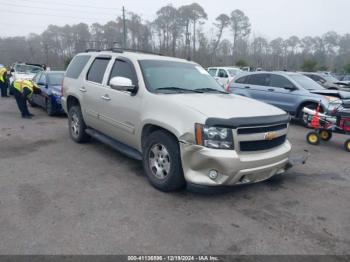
[(28, 69), (55, 79), (330, 79), (234, 72), (306, 82), (176, 77)]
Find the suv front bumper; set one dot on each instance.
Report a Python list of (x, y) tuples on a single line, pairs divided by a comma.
[(232, 168)]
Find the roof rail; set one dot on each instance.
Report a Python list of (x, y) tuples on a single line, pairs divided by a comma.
[(92, 50), (143, 51)]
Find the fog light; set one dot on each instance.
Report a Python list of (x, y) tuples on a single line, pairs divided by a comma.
[(213, 174)]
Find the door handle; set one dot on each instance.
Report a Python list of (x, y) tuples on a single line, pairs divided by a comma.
[(106, 97), (247, 87), (82, 89), (271, 90)]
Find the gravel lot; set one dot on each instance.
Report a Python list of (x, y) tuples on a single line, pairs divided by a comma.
[(58, 197)]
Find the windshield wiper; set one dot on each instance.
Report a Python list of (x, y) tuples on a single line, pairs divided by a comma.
[(210, 90), (180, 89)]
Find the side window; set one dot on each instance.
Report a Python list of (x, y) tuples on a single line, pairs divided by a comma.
[(76, 66), (97, 70), (242, 80), (259, 80), (223, 73), (212, 72), (123, 69), (42, 79), (280, 81)]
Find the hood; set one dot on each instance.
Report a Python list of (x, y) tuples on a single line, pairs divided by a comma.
[(335, 93), (224, 106)]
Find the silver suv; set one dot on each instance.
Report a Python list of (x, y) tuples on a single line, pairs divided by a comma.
[(172, 115)]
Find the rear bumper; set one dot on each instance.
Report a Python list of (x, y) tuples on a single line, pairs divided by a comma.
[(232, 168)]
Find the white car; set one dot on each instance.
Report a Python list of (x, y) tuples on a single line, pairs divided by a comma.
[(224, 75), (22, 71)]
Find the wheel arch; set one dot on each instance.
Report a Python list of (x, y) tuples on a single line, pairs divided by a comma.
[(150, 128), (305, 103), (72, 101)]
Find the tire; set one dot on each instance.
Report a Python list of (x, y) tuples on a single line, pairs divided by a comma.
[(303, 116), (49, 109), (325, 135), (77, 125), (162, 162), (31, 102), (347, 145), (313, 138)]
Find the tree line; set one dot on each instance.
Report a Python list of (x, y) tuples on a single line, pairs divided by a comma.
[(180, 32)]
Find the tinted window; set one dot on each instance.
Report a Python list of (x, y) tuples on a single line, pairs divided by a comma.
[(76, 66), (97, 70), (212, 72), (222, 73), (55, 79), (259, 80), (123, 69), (242, 80), (280, 81)]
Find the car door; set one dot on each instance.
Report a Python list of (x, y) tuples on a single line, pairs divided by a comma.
[(222, 77), (121, 112), (258, 86), (93, 92), (283, 93)]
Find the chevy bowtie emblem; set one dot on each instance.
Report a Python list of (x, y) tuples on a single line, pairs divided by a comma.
[(270, 136)]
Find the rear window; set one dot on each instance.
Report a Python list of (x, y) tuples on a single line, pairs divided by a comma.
[(55, 78), (259, 80), (242, 80), (76, 66), (97, 70)]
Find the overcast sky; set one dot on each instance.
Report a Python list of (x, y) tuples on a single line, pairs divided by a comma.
[(269, 18)]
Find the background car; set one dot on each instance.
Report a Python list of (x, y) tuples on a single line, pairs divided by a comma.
[(288, 91), (327, 81), (224, 75), (50, 83)]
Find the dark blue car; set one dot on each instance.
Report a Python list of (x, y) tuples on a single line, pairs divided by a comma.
[(50, 83)]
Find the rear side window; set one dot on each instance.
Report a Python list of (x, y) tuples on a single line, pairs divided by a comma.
[(259, 80), (76, 66), (97, 70), (123, 69), (242, 80), (280, 81)]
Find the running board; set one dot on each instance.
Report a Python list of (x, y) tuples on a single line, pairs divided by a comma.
[(122, 148)]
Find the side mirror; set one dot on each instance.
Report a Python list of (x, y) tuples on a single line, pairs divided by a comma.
[(122, 84), (290, 88)]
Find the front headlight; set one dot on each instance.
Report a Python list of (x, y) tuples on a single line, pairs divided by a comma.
[(214, 137)]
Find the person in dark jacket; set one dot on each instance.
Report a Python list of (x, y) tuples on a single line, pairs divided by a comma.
[(22, 90)]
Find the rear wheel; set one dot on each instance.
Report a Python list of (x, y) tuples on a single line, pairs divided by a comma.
[(347, 145), (325, 135), (162, 162), (77, 125), (313, 138)]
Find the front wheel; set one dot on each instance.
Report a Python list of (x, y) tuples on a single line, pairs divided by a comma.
[(162, 162), (77, 125), (347, 145), (313, 138)]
